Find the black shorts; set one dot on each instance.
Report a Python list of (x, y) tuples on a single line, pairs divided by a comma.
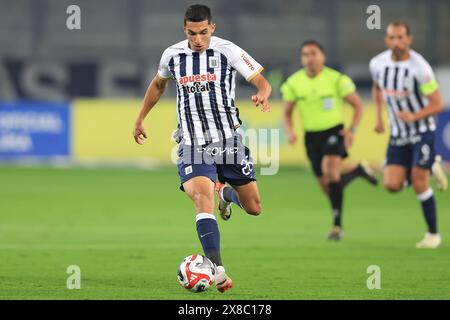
[(228, 161), (417, 151), (321, 143)]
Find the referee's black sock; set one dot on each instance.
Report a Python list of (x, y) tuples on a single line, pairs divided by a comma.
[(348, 177), (336, 197)]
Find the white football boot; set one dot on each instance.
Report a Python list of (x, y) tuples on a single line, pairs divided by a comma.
[(336, 233), (430, 241), (439, 174), (223, 282), (223, 206)]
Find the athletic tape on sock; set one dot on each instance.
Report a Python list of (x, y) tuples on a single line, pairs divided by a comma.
[(221, 193), (424, 196), (201, 216)]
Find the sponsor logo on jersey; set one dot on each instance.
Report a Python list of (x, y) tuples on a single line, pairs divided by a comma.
[(396, 93), (198, 87), (197, 83), (247, 62), (197, 78)]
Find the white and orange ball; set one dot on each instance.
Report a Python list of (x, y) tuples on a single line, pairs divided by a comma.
[(196, 273)]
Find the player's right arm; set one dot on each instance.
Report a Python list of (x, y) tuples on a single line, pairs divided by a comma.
[(289, 97), (428, 87), (261, 98), (154, 92), (377, 97), (251, 70), (288, 108)]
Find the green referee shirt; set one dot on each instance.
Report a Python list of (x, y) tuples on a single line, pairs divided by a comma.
[(319, 99)]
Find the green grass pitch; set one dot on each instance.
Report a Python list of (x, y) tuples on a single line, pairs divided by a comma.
[(129, 229)]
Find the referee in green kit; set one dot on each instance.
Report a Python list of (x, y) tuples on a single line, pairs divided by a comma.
[(319, 93)]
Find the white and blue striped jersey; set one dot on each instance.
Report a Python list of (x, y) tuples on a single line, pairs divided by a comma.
[(405, 86), (206, 88)]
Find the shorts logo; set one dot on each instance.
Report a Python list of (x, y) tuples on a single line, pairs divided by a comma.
[(213, 62), (425, 150), (206, 77), (188, 170), (332, 140)]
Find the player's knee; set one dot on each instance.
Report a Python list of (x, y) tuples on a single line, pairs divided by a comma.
[(201, 197), (254, 208), (331, 176), (393, 186), (420, 185)]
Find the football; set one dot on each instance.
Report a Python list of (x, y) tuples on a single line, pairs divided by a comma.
[(196, 273)]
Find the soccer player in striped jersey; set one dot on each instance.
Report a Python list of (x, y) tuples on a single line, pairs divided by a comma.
[(404, 80), (210, 145)]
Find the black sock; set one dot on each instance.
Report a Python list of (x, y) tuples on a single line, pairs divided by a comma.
[(429, 209), (230, 195), (336, 197), (348, 177), (209, 236)]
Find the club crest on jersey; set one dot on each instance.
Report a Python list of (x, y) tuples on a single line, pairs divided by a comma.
[(188, 170), (408, 84), (213, 62)]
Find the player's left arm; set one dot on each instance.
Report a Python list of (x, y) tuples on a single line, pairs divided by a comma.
[(251, 70), (354, 100), (435, 105), (261, 98), (429, 88)]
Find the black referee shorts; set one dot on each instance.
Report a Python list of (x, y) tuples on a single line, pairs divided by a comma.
[(322, 143)]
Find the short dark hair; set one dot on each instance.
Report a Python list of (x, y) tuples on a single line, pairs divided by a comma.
[(401, 24), (197, 13), (311, 42)]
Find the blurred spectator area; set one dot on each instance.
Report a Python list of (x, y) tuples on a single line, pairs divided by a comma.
[(130, 35)]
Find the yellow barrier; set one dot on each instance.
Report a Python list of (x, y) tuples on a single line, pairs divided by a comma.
[(102, 130), (367, 144)]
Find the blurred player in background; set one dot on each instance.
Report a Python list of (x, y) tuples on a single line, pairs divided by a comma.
[(210, 146), (319, 93), (404, 80)]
